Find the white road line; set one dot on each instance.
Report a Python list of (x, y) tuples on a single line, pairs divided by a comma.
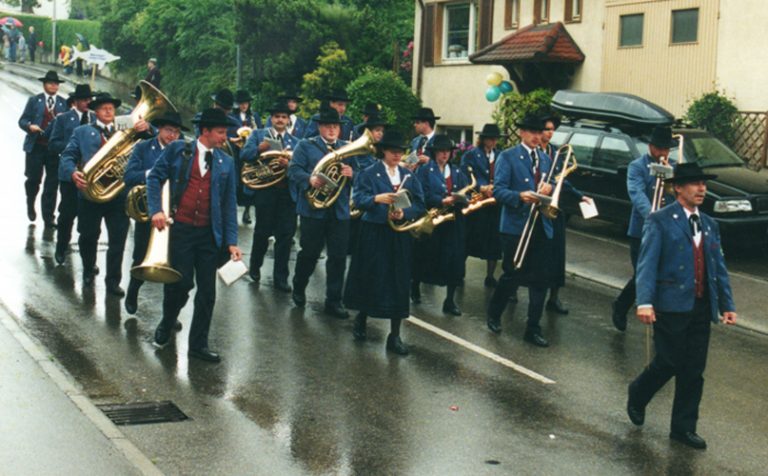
[(479, 350)]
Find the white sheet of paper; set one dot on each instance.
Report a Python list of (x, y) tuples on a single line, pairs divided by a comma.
[(402, 200), (123, 123), (232, 271), (588, 210)]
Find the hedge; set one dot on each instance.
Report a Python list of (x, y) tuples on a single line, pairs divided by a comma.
[(65, 29)]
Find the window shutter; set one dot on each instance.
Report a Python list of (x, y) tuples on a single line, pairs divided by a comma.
[(485, 35), (537, 11), (569, 10), (428, 33)]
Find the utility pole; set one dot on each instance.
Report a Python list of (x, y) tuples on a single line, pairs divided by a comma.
[(53, 29)]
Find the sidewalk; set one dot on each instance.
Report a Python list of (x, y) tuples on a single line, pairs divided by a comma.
[(48, 426)]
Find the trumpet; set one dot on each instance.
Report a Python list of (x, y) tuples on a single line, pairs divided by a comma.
[(266, 170)]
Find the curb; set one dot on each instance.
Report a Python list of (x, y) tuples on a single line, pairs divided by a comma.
[(66, 383)]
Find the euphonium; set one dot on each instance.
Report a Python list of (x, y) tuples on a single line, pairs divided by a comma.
[(266, 170), (156, 266), (329, 168), (136, 204), (104, 172)]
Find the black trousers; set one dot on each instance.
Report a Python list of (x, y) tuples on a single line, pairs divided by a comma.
[(275, 216), (194, 254), (627, 295), (67, 215), (141, 232), (89, 218), (681, 341), (37, 162), (31, 54), (315, 234), (509, 282)]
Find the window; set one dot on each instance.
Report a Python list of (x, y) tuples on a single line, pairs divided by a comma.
[(685, 25), (631, 30), (584, 146), (458, 134), (512, 14), (459, 27), (614, 153), (573, 11), (540, 11)]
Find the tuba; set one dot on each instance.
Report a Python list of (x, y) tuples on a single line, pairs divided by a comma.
[(104, 172), (156, 266), (329, 169), (136, 204), (266, 170)]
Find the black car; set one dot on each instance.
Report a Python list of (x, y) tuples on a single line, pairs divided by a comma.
[(608, 131)]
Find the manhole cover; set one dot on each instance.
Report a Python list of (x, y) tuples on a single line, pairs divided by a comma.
[(143, 412)]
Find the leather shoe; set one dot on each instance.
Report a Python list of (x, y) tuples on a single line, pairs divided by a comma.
[(556, 306), (204, 354), (396, 345), (31, 213), (336, 310), (450, 307), (115, 290), (59, 257), (494, 326), (490, 282), (177, 326), (636, 414), (88, 279), (359, 331), (299, 298), (162, 337), (536, 339), (255, 275), (283, 287), (689, 438), (131, 304), (246, 217), (619, 321)]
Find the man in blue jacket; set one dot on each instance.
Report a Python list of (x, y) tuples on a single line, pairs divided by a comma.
[(682, 286), (337, 100), (297, 126), (327, 227), (38, 114), (204, 212), (640, 186)]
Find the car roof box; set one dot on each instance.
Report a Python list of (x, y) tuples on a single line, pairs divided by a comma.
[(611, 107)]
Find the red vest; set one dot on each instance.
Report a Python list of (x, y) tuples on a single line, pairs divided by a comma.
[(699, 268), (195, 204), (47, 118)]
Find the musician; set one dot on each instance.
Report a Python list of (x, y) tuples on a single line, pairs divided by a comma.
[(85, 142), (424, 124), (640, 186), (370, 109), (682, 286), (380, 269), (297, 126), (337, 100), (245, 118), (223, 100), (521, 171), (39, 112), (62, 128), (275, 207), (326, 227), (153, 73), (143, 158), (203, 203), (440, 257), (483, 225)]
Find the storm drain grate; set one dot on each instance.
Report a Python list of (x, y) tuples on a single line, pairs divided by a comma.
[(143, 412)]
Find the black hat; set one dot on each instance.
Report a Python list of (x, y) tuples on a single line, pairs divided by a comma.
[(213, 117), (51, 77), (224, 98), (242, 96), (689, 172), (374, 120), (490, 131), (103, 98), (393, 139), (441, 142), (290, 95), (371, 108), (280, 107), (425, 114), (82, 91), (328, 115), (171, 118), (337, 95), (661, 137), (531, 122)]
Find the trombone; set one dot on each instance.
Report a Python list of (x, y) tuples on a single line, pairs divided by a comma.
[(663, 171)]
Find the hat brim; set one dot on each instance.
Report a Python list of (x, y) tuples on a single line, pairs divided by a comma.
[(425, 118), (322, 120), (98, 102), (279, 111), (491, 136), (74, 96), (161, 122), (51, 80), (664, 145), (690, 178)]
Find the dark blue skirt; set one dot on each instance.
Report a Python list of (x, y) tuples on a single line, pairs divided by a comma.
[(439, 258), (483, 233)]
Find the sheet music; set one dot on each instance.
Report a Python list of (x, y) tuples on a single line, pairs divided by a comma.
[(588, 209), (232, 271)]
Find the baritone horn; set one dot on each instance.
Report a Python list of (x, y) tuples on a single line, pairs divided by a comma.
[(156, 266), (266, 170), (104, 172)]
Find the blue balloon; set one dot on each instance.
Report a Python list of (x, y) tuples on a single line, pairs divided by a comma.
[(506, 87), (492, 94)]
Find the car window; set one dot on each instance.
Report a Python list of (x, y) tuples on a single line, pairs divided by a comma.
[(614, 153), (584, 146), (558, 138), (708, 151)]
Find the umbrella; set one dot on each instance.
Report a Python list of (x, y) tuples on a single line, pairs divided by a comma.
[(83, 40), (6, 20)]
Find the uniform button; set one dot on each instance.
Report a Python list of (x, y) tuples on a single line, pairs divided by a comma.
[(682, 267), (681, 248), (682, 287)]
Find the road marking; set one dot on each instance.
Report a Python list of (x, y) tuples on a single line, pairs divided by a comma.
[(479, 350)]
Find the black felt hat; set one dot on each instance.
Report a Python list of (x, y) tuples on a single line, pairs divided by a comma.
[(51, 77), (242, 96), (213, 117), (327, 115), (82, 91), (375, 120), (103, 98), (337, 95), (170, 118), (224, 98), (661, 137), (425, 114), (689, 172), (280, 107), (490, 131), (393, 139), (531, 122), (441, 142)]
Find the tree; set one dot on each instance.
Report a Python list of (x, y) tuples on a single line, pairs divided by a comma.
[(27, 6), (385, 88), (332, 74), (715, 112)]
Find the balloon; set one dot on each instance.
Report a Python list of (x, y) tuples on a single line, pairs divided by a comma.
[(506, 87), (492, 94), (493, 79)]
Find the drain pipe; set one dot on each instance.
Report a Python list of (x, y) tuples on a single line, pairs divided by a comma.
[(421, 51)]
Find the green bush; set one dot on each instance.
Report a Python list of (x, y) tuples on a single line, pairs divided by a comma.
[(512, 107), (716, 113), (386, 88), (332, 74)]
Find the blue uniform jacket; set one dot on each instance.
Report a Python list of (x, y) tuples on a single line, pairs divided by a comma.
[(480, 163), (433, 183), (33, 114), (640, 185), (373, 181), (665, 276), (61, 130), (347, 128), (251, 120), (426, 150), (143, 158), (299, 127), (306, 155), (84, 143), (223, 191), (514, 174)]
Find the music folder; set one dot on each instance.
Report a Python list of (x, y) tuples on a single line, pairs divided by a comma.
[(588, 209), (232, 271)]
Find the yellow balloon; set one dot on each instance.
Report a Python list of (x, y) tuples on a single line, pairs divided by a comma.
[(494, 79)]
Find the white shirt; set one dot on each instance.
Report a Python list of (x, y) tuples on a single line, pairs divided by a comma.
[(201, 150), (394, 176), (292, 123), (105, 126), (53, 103), (697, 236)]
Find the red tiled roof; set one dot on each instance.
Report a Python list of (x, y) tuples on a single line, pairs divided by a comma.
[(548, 43)]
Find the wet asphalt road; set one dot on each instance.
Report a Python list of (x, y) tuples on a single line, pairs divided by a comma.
[(296, 395)]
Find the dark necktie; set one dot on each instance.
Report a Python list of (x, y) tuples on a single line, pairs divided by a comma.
[(422, 143), (280, 138), (208, 158), (108, 131), (695, 223), (50, 103), (84, 118), (535, 163)]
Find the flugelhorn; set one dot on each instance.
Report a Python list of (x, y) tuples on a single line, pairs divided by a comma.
[(266, 170), (156, 266), (242, 136)]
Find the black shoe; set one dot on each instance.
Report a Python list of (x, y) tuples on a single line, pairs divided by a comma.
[(50, 224), (31, 213), (88, 279), (493, 325), (395, 344), (298, 297), (490, 282), (636, 414), (336, 310), (513, 299), (450, 307), (59, 257), (359, 330), (177, 326), (246, 217), (96, 270), (162, 337), (131, 300), (204, 354), (689, 438), (283, 287), (115, 290), (556, 306), (535, 338), (619, 320), (255, 275)]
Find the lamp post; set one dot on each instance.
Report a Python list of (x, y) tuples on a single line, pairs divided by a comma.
[(53, 29)]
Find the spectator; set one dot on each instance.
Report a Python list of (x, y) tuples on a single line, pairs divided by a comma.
[(153, 73), (6, 46), (22, 48), (32, 44), (13, 39)]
